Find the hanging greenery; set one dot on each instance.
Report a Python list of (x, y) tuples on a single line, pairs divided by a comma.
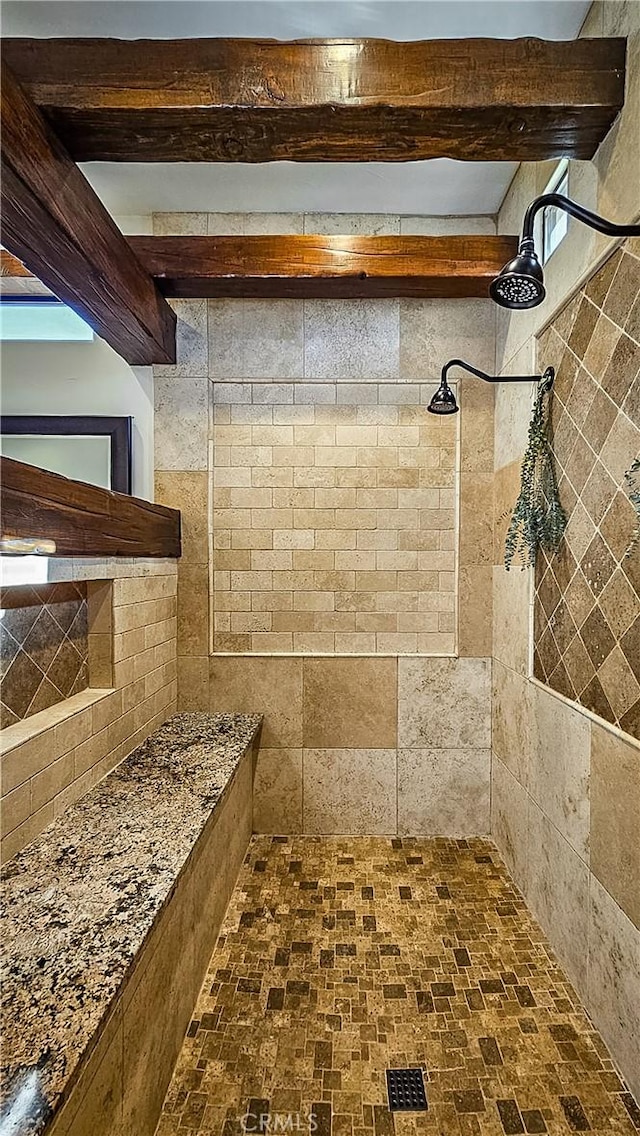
[(632, 480), (538, 519)]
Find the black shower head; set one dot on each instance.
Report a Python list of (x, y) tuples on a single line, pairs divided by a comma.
[(444, 400), (521, 282)]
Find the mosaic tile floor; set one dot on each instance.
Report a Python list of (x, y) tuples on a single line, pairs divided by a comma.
[(341, 957)]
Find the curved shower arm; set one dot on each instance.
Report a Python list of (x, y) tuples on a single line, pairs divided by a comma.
[(559, 201), (483, 374)]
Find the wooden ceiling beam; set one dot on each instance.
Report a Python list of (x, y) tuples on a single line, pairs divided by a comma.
[(354, 100), (53, 221), (316, 267)]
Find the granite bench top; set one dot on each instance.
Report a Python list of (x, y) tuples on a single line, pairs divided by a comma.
[(79, 902)]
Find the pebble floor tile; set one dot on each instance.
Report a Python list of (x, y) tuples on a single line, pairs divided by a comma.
[(341, 957)]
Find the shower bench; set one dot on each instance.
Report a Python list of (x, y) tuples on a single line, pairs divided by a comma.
[(109, 921)]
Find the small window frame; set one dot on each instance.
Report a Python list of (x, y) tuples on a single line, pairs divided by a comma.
[(554, 223), (39, 302), (118, 430)]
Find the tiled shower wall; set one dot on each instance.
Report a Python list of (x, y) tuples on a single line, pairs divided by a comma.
[(587, 599), (336, 536), (45, 648), (565, 782)]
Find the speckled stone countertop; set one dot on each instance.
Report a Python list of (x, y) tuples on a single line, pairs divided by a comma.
[(78, 903)]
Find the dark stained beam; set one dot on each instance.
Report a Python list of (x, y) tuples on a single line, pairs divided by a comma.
[(54, 223), (83, 520), (276, 267), (324, 100), (318, 267)]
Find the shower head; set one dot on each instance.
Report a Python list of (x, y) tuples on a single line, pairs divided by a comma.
[(521, 283), (444, 400)]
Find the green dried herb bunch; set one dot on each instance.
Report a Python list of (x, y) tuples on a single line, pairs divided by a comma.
[(632, 481), (538, 519)]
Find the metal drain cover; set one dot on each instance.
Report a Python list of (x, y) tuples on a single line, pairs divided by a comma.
[(405, 1090)]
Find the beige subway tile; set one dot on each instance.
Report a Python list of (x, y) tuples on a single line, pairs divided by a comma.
[(280, 560), (290, 621), (16, 806), (355, 643), (373, 539), (272, 642), (356, 519), (354, 601), (89, 754), (355, 559), (396, 643), (271, 601), (100, 660), (355, 477), (104, 712), (123, 673), (377, 498), (236, 435), (336, 621), (338, 415), (252, 498), (73, 731), (233, 558), (316, 560), (437, 518), (329, 538), (232, 601), (313, 601), (314, 642), (292, 456), (320, 434), (233, 644), (376, 621), (377, 457), (293, 538), (432, 561), (335, 498), (396, 601), (315, 478), (231, 519), (313, 519), (26, 832), (221, 621), (335, 581), (221, 538), (221, 415), (376, 581), (335, 455), (253, 455), (419, 540), (294, 498), (272, 519), (254, 415), (292, 581), (293, 415), (446, 581), (99, 606), (401, 560), (27, 759), (221, 497), (250, 621), (418, 581), (221, 581), (251, 581), (429, 644), (273, 435), (418, 621), (398, 518), (272, 477), (436, 601), (377, 415), (356, 435), (392, 478), (52, 780), (252, 538)]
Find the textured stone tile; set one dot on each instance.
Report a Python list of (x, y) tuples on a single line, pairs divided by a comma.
[(352, 224), (332, 966), (188, 492), (443, 792), (181, 423), (351, 339), (613, 993), (273, 684), (510, 821), (255, 339), (559, 773), (514, 729), (558, 893), (349, 791), (444, 703), (511, 598), (350, 703), (433, 331), (277, 791), (615, 809), (191, 341)]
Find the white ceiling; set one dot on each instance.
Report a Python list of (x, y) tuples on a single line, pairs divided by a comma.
[(437, 187)]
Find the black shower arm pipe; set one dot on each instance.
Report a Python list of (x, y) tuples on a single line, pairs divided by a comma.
[(559, 201), (483, 375)]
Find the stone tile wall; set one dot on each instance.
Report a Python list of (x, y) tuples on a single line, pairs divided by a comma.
[(365, 746), (587, 598), (45, 648), (54, 757), (566, 783)]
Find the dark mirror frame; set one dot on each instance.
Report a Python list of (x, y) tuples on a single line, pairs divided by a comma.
[(117, 429)]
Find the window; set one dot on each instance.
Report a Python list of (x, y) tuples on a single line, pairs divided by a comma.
[(555, 222), (41, 320)]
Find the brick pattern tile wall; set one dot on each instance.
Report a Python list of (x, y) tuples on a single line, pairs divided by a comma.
[(587, 602), (333, 520), (53, 758), (45, 649)]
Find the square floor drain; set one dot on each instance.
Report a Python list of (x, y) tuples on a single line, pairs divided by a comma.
[(405, 1090)]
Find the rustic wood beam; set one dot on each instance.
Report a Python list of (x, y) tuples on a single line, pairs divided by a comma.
[(53, 221), (355, 100), (83, 520), (276, 267)]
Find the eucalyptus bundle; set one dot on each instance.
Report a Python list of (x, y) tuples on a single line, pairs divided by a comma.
[(632, 479), (538, 519)]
